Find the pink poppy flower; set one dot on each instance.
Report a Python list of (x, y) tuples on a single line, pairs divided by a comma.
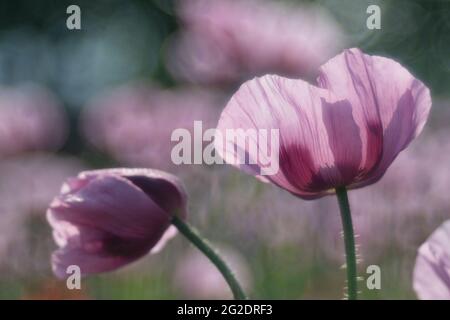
[(431, 277), (105, 219), (226, 41), (344, 131)]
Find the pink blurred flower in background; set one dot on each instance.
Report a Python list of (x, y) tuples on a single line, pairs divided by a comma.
[(344, 132), (197, 278), (231, 195), (30, 119), (229, 41), (105, 219), (431, 278), (27, 185), (410, 200), (393, 215), (135, 124), (10, 230)]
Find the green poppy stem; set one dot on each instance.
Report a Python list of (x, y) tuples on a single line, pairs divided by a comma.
[(204, 246), (349, 239)]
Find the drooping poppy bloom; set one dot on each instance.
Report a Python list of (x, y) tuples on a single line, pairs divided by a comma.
[(105, 219), (431, 279), (344, 131)]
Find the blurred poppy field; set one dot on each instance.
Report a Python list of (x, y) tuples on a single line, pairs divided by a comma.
[(112, 93)]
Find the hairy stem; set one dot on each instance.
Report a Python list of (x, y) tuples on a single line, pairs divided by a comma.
[(349, 240)]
